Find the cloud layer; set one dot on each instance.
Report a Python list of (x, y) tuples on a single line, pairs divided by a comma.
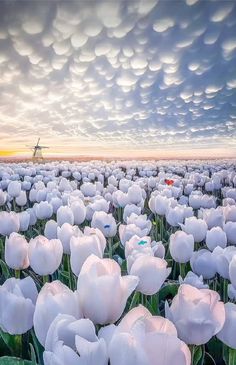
[(118, 75)]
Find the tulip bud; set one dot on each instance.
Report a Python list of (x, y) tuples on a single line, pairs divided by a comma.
[(158, 338), (70, 340), (151, 271), (43, 210), (105, 222), (96, 283), (81, 248), (79, 211), (227, 333), (45, 255), (65, 232), (9, 223), (216, 237), (54, 298), (17, 304), (14, 189), (16, 252), (203, 263), (181, 246), (65, 215), (197, 314), (196, 227), (50, 230)]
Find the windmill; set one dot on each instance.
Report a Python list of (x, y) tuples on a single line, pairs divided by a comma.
[(37, 151)]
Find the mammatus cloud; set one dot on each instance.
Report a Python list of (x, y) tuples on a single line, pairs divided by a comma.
[(116, 75)]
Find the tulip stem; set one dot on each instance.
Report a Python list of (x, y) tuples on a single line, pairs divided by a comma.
[(182, 270), (157, 221), (232, 356), (192, 350), (45, 279), (225, 290), (110, 247), (69, 272), (18, 344), (161, 227), (134, 300), (203, 354), (17, 274), (155, 303), (1, 248)]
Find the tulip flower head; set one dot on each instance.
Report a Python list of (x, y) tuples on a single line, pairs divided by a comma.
[(198, 314), (100, 281)]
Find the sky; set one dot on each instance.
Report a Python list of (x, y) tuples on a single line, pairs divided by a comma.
[(118, 78)]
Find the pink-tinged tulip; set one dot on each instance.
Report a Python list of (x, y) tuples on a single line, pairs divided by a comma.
[(16, 251), (45, 255), (181, 246), (203, 263), (100, 282), (72, 341), (197, 314), (105, 222), (227, 334), (151, 271), (196, 227), (17, 304), (144, 340), (54, 298), (9, 223)]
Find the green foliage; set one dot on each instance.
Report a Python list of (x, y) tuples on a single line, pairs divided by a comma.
[(7, 360)]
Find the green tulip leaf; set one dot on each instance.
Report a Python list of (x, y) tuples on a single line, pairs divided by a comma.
[(168, 291), (5, 270), (8, 360)]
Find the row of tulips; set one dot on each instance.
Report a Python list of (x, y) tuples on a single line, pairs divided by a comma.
[(100, 257)]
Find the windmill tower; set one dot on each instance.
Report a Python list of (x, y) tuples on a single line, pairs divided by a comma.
[(37, 151)]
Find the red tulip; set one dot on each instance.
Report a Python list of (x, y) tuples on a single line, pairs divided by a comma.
[(169, 181)]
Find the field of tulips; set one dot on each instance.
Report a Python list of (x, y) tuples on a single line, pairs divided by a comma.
[(119, 263)]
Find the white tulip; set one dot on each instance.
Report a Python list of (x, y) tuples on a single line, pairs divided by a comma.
[(54, 298), (45, 255), (16, 251), (17, 304)]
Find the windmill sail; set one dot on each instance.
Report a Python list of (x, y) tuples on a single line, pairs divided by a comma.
[(37, 151)]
